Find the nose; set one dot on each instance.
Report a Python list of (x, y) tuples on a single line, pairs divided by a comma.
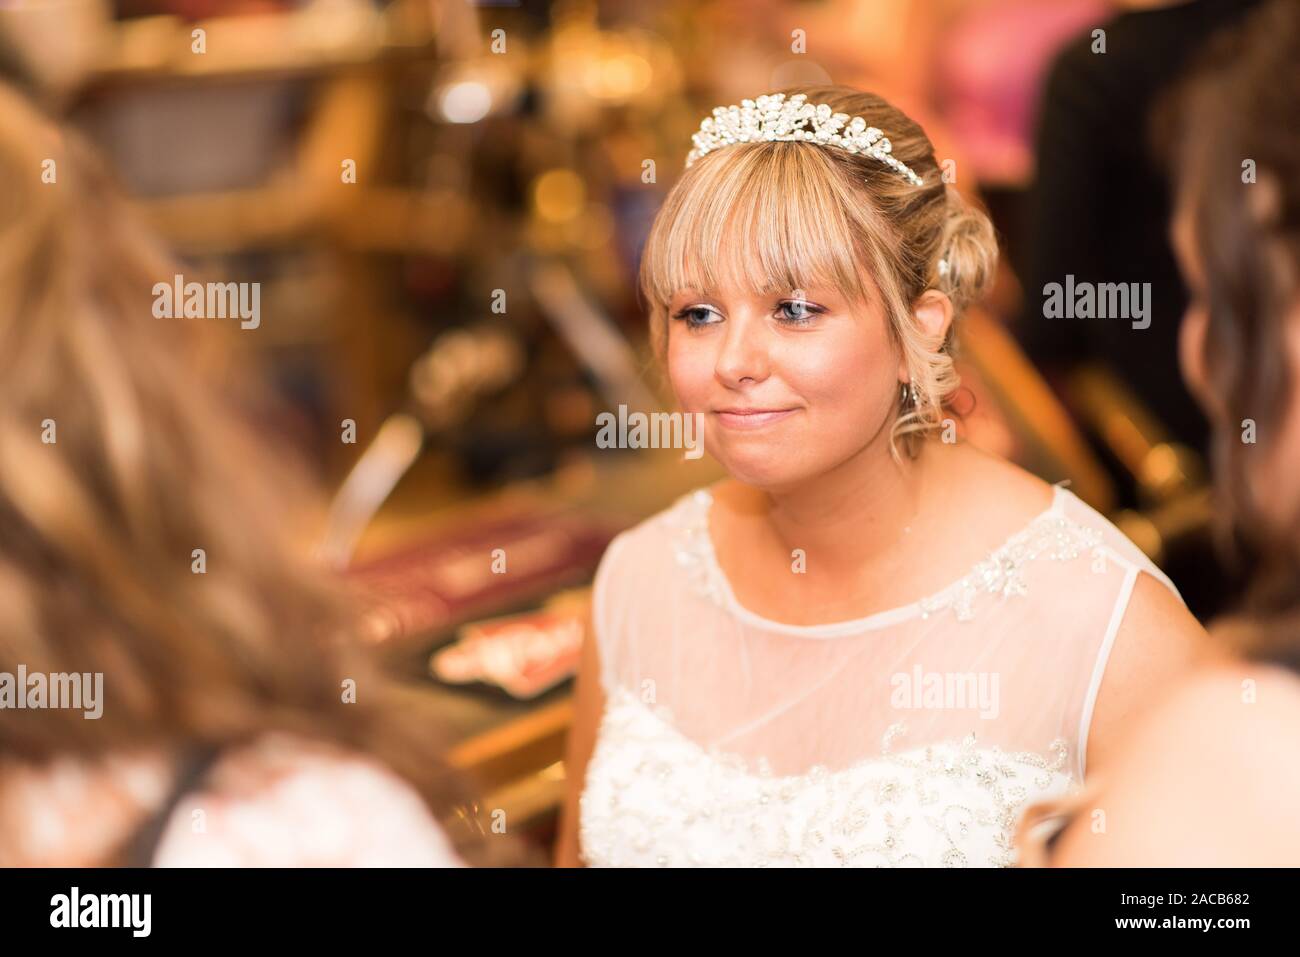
[(743, 353)]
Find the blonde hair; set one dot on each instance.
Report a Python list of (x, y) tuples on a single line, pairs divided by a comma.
[(780, 215)]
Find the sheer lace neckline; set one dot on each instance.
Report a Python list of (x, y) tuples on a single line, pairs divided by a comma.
[(1048, 534), (949, 755)]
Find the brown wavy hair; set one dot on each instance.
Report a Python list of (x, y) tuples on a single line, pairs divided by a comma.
[(1238, 104), (151, 461)]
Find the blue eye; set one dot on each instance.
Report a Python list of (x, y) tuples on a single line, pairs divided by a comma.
[(690, 315), (801, 313), (790, 312)]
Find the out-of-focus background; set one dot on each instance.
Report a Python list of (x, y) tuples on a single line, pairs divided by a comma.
[(443, 202)]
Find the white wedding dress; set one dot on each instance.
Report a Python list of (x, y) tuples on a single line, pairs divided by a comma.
[(913, 737)]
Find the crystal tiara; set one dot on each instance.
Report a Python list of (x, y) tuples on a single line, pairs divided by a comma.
[(773, 117)]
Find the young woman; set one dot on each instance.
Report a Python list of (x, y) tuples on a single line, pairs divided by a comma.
[(222, 731), (870, 645), (1211, 778)]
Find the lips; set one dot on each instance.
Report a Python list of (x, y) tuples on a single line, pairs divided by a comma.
[(737, 418)]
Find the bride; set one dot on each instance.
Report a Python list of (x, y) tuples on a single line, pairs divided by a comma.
[(870, 645)]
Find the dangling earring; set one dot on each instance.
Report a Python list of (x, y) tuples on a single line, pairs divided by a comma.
[(909, 393)]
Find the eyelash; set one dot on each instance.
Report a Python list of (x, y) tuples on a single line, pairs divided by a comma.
[(809, 312)]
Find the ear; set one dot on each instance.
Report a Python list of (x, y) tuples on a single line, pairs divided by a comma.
[(933, 313)]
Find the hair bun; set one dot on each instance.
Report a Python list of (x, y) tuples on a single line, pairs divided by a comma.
[(969, 247)]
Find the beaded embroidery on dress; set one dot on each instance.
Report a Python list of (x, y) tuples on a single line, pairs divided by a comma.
[(912, 737)]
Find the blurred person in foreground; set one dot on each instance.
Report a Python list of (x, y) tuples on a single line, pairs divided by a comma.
[(221, 731), (1212, 776)]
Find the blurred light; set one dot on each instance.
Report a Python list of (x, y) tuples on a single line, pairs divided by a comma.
[(619, 76), (465, 102), (469, 90), (799, 71), (559, 195), (594, 230)]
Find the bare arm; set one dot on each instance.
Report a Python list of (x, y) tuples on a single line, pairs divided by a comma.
[(1209, 778), (1157, 642), (588, 706)]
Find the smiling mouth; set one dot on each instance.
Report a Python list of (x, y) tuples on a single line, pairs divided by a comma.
[(751, 418)]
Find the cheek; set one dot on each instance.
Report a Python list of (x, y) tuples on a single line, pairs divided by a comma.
[(842, 374), (1191, 357), (690, 372), (1273, 484), (1270, 476), (848, 379)]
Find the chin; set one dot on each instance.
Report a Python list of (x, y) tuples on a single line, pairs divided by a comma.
[(769, 468)]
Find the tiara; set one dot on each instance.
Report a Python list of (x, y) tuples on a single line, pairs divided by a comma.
[(773, 117)]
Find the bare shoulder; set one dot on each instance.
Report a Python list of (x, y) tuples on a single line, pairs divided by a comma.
[(1002, 491), (1155, 614), (1210, 776), (1158, 641)]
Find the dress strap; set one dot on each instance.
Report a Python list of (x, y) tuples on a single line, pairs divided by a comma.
[(141, 848)]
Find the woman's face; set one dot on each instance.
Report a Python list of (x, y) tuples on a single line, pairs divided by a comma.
[(790, 386), (1272, 473)]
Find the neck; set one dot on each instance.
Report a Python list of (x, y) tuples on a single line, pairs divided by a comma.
[(853, 515)]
